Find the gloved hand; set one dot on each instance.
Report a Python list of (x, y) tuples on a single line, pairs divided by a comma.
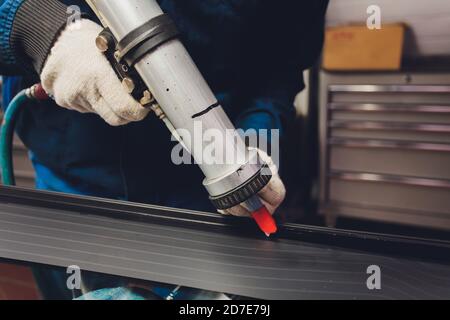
[(271, 195), (80, 78)]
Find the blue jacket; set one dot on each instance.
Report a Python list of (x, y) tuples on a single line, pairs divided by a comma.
[(251, 52)]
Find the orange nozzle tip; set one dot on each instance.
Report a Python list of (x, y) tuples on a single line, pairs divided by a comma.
[(265, 221)]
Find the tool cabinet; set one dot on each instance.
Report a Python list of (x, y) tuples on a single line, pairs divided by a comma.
[(385, 148)]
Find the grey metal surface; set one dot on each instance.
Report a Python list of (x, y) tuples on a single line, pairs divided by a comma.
[(280, 269)]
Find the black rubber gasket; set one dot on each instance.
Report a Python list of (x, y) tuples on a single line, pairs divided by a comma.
[(163, 30)]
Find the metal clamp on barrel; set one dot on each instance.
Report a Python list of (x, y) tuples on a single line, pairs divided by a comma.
[(123, 55)]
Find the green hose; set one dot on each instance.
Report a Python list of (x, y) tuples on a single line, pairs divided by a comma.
[(7, 136)]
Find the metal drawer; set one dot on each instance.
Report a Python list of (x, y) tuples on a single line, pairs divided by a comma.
[(416, 218), (391, 192), (391, 157)]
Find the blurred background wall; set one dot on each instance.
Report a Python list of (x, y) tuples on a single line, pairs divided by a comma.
[(428, 21)]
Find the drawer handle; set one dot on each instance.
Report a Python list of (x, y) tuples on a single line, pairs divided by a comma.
[(374, 107), (389, 144), (395, 126), (389, 88), (373, 177)]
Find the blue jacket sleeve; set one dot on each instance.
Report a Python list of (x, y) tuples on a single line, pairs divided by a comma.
[(28, 30), (8, 63)]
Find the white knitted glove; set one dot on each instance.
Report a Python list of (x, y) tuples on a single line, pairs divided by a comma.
[(271, 195), (80, 78)]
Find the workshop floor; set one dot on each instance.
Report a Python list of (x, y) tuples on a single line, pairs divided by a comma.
[(17, 283)]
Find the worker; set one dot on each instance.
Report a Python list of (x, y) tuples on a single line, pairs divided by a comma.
[(95, 140)]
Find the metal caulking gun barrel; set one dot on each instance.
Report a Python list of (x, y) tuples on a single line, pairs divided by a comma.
[(142, 44)]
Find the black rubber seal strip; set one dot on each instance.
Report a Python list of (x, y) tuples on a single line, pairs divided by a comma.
[(169, 33), (163, 30), (151, 24), (215, 105)]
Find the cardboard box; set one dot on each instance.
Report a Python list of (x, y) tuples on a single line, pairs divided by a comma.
[(359, 48)]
